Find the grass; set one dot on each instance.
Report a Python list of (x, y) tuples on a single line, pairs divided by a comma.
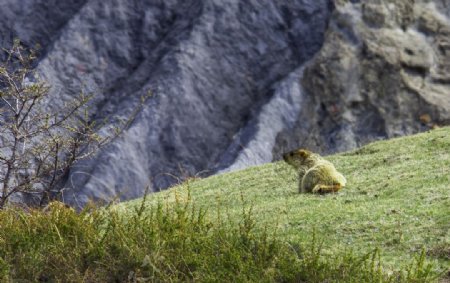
[(390, 224), (397, 200), (171, 243)]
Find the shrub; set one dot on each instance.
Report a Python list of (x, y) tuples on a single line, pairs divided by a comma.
[(38, 143), (168, 243)]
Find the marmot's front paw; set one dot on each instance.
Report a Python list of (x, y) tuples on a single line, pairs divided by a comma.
[(317, 189)]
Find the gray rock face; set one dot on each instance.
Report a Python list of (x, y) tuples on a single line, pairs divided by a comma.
[(213, 67), (254, 143), (383, 72)]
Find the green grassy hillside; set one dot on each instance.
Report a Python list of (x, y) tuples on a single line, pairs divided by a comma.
[(397, 199), (390, 224)]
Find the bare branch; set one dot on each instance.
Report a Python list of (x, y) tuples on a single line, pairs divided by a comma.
[(24, 117), (10, 106), (38, 146)]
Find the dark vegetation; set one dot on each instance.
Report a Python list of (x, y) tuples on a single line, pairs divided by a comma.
[(171, 243)]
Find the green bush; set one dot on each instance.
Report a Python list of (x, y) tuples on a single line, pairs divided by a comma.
[(168, 243)]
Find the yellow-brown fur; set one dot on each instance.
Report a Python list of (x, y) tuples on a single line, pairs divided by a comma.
[(316, 175)]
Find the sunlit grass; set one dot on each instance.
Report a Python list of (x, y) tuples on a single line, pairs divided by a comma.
[(390, 224), (397, 199)]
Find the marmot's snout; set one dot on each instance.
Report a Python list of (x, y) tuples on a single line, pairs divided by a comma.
[(287, 156)]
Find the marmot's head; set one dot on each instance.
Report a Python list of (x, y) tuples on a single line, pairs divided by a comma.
[(297, 158)]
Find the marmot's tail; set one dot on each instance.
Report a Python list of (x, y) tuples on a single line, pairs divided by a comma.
[(324, 189)]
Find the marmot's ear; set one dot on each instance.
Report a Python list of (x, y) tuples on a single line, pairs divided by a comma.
[(303, 153)]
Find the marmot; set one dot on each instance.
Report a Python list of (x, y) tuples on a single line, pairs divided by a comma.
[(316, 175)]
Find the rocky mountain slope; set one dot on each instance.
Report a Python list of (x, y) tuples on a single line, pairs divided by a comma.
[(229, 81), (384, 71)]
